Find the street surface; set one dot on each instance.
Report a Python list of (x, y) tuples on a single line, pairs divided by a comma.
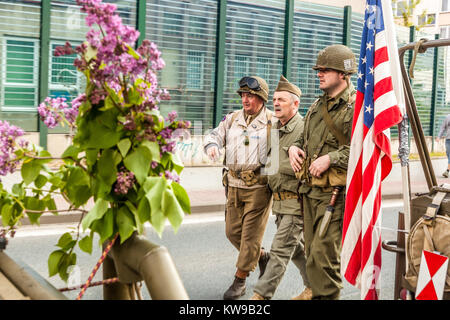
[(202, 254)]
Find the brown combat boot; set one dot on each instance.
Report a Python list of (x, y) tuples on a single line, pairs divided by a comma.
[(262, 262), (257, 296), (305, 295), (236, 290)]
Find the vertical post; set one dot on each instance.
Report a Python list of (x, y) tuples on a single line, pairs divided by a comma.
[(44, 59), (220, 60), (412, 38), (140, 20), (347, 31), (434, 94), (288, 30)]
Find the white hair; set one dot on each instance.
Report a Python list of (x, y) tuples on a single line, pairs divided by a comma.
[(294, 98)]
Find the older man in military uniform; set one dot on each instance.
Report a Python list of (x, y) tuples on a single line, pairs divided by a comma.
[(320, 158), (288, 241), (243, 134)]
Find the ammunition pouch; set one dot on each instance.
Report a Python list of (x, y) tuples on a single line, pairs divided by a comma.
[(249, 177), (284, 195), (225, 177), (333, 177)]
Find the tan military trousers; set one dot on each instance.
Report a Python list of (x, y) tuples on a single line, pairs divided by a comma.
[(323, 254), (287, 245), (245, 223)]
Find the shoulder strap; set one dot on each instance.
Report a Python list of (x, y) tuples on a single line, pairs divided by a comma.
[(330, 124), (233, 118)]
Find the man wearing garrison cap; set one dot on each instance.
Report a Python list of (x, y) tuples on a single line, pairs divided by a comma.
[(288, 241)]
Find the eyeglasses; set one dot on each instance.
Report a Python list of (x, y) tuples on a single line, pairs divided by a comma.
[(250, 82)]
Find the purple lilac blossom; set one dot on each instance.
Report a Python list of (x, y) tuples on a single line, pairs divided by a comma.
[(8, 143)]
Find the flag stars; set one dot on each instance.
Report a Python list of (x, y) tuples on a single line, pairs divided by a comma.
[(365, 84), (368, 108), (369, 46), (364, 60), (371, 71), (360, 75)]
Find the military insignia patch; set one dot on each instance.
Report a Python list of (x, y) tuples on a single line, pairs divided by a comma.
[(348, 64)]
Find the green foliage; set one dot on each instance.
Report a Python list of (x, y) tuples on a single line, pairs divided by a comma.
[(102, 149)]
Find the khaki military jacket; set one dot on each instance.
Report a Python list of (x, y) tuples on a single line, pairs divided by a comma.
[(238, 155), (284, 179), (340, 109)]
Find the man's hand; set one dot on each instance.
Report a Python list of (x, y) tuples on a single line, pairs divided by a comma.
[(213, 153), (319, 166), (296, 158)]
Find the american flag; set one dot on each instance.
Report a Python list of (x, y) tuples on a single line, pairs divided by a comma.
[(376, 110)]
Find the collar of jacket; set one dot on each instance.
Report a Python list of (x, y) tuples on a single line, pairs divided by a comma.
[(290, 125), (344, 96), (261, 118)]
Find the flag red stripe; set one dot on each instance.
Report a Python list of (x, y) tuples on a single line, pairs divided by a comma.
[(381, 55)]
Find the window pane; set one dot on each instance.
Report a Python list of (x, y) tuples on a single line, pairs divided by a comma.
[(195, 70), (62, 69), (444, 5), (19, 61), (19, 97)]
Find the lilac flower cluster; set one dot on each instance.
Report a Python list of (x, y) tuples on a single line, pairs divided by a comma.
[(171, 176), (8, 145), (169, 133), (125, 181), (55, 110)]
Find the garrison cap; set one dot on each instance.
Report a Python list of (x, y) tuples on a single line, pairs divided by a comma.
[(285, 85)]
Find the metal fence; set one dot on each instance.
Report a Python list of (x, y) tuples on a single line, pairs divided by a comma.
[(200, 76)]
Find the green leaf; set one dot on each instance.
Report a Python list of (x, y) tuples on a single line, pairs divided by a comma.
[(30, 171), (6, 213), (144, 210), (71, 152), (51, 205), (138, 162), (172, 209), (154, 196), (98, 130), (125, 222), (65, 262), (109, 104), (177, 163), (53, 262), (66, 242), (182, 197), (91, 156), (133, 53), (134, 211), (40, 181), (85, 244), (95, 213), (78, 186), (124, 146), (106, 167), (105, 226), (17, 190), (153, 146)]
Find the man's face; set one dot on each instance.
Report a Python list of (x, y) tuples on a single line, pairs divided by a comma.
[(251, 102), (284, 106), (329, 79)]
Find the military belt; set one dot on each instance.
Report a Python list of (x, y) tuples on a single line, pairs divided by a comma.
[(284, 195), (237, 174)]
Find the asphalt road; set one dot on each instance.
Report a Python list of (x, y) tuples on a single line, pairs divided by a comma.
[(203, 257)]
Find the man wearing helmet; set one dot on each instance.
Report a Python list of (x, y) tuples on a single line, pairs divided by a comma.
[(243, 134), (320, 159)]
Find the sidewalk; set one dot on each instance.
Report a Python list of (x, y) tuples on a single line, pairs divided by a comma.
[(206, 193)]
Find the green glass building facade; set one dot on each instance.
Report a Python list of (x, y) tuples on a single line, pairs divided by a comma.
[(207, 45)]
